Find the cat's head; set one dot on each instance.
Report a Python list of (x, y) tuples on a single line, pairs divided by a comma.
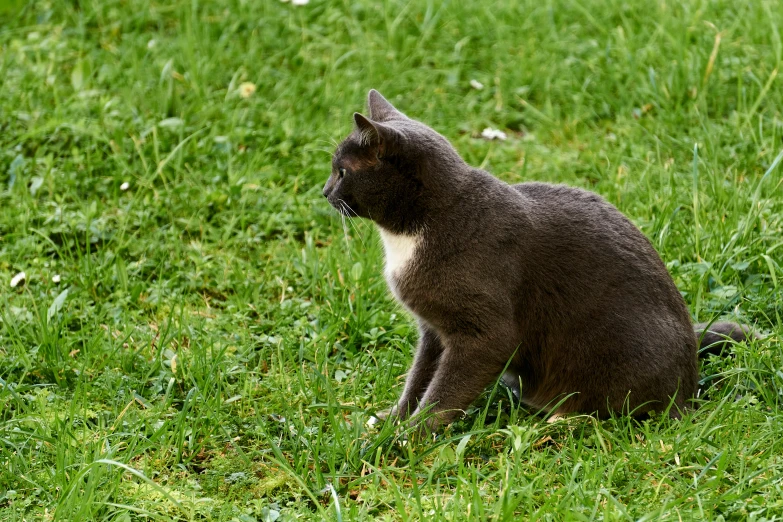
[(389, 168)]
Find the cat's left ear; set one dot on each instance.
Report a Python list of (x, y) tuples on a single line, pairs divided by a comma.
[(380, 108), (380, 136)]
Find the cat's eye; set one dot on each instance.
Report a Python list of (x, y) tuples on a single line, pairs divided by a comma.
[(341, 172)]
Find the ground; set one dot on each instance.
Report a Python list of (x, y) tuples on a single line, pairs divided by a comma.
[(198, 336)]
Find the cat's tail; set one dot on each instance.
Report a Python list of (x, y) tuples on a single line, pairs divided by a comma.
[(715, 337)]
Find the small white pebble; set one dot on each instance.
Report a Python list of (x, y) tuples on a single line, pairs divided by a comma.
[(300, 2), (151, 44), (56, 278), (493, 134), (125, 186), (18, 278), (476, 84)]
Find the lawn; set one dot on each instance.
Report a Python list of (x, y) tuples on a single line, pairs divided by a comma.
[(198, 336)]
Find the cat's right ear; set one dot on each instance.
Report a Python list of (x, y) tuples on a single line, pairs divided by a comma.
[(380, 136), (380, 108)]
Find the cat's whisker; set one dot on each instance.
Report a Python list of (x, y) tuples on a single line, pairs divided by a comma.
[(324, 150), (344, 226), (347, 209), (353, 221), (329, 141), (345, 229)]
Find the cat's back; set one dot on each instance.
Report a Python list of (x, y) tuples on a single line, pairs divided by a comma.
[(578, 233), (567, 196), (579, 215)]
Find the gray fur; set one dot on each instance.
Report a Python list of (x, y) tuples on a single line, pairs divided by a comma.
[(552, 280)]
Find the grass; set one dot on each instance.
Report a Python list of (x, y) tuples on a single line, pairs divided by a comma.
[(219, 338)]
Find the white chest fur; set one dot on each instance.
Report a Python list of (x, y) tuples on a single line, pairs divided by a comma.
[(399, 250)]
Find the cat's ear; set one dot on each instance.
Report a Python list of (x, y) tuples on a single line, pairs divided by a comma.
[(380, 108), (381, 136)]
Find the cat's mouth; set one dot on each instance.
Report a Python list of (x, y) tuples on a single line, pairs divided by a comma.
[(343, 208)]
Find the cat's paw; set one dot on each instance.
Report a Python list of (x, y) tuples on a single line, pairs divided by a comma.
[(428, 421), (381, 416), (423, 428), (385, 414)]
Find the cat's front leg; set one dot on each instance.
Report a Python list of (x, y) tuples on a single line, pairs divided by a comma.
[(465, 368), (425, 362)]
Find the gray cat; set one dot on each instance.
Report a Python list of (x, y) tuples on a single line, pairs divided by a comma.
[(550, 283)]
